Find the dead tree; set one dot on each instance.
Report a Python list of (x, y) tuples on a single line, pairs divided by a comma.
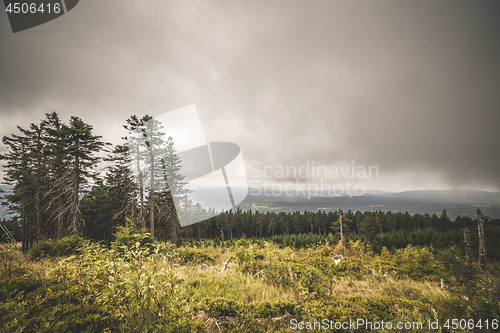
[(226, 263), (341, 227), (174, 220), (467, 246), (482, 249)]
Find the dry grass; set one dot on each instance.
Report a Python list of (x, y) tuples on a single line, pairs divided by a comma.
[(203, 281), (231, 284), (13, 261), (210, 281), (388, 286)]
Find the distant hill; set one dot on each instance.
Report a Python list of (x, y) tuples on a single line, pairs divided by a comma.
[(459, 202), (3, 209), (457, 196), (456, 202)]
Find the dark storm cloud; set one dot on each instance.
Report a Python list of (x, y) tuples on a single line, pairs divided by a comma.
[(411, 87)]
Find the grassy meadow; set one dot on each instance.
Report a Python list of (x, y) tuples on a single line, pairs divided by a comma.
[(247, 285)]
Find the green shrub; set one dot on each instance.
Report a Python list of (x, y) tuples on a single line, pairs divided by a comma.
[(275, 273), (298, 240), (42, 249), (68, 246), (311, 282), (127, 238), (266, 309), (243, 256), (418, 263), (50, 305), (217, 307), (17, 286), (192, 255), (456, 268), (51, 248)]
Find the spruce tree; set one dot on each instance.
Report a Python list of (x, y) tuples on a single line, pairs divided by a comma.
[(154, 149), (174, 186), (137, 144), (82, 146), (57, 170), (18, 172), (120, 182)]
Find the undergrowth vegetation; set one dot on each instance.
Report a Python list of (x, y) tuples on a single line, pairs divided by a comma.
[(138, 285)]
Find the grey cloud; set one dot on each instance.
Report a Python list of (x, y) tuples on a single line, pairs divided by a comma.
[(411, 87)]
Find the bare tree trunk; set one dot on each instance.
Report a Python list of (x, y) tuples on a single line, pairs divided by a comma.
[(152, 212), (228, 259), (60, 221), (341, 227), (75, 210), (174, 231), (38, 208), (152, 198), (173, 224), (24, 233), (39, 225), (141, 189), (290, 273), (482, 249), (30, 232), (467, 246)]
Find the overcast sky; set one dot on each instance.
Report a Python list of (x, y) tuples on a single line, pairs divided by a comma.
[(412, 87)]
